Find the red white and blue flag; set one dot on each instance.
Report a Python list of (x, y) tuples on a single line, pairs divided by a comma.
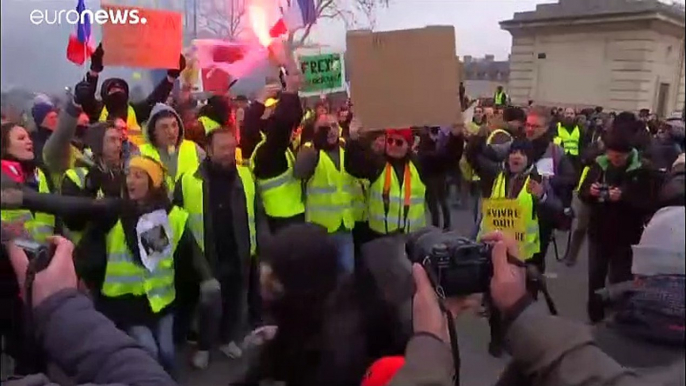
[(80, 48), (296, 14)]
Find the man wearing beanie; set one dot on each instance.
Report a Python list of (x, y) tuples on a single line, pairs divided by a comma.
[(114, 93), (649, 315), (44, 115), (620, 189)]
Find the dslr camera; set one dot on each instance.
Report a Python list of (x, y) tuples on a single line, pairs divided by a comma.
[(604, 193), (461, 266)]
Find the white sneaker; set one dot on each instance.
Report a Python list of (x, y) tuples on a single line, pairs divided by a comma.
[(231, 350), (201, 360)]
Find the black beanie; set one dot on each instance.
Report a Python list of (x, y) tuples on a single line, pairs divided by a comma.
[(523, 146), (110, 83), (619, 138)]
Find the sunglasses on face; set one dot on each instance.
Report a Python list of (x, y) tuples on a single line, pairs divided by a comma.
[(395, 142)]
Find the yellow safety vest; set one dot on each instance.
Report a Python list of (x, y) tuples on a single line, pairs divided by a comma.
[(282, 195), (78, 177), (133, 129), (187, 159), (125, 276), (329, 194), (584, 173), (38, 225), (209, 124), (192, 188), (531, 244), (500, 98), (396, 208), (495, 132), (569, 141)]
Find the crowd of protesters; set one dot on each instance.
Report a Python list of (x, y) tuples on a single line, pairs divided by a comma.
[(237, 221)]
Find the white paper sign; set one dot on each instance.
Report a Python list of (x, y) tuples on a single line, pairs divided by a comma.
[(545, 167), (154, 238)]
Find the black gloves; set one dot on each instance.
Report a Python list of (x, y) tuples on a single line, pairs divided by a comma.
[(83, 92), (182, 65), (96, 59)]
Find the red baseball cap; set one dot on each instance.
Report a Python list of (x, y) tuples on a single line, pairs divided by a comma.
[(381, 372)]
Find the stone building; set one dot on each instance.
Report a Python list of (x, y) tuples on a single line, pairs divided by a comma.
[(483, 75), (620, 54)]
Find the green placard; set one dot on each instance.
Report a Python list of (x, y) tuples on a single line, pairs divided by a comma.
[(323, 73)]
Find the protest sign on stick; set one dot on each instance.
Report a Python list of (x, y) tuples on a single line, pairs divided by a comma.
[(404, 78), (505, 215), (323, 72), (155, 41)]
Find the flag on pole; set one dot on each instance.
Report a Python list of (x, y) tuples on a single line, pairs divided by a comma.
[(80, 48), (296, 14)]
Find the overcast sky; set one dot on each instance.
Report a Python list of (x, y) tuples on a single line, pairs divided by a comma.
[(34, 56)]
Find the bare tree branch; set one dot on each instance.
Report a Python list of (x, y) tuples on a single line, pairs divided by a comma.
[(222, 18)]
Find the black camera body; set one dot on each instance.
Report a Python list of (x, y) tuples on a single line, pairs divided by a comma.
[(39, 255), (462, 266), (604, 193)]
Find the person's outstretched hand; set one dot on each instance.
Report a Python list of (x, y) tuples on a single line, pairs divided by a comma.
[(59, 275), (508, 285), (426, 312), (96, 60)]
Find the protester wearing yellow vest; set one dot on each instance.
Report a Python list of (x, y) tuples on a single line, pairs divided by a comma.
[(329, 189), (272, 160), (166, 144), (396, 202), (18, 169), (568, 135), (220, 199), (500, 99)]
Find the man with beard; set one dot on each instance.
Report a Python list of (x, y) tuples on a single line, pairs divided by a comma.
[(220, 198), (114, 93), (329, 187), (568, 134)]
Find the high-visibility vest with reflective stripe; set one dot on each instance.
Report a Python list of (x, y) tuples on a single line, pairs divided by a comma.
[(133, 129), (192, 188), (38, 225), (584, 173), (500, 98), (209, 124), (187, 159), (329, 194), (125, 276), (569, 141), (531, 244), (392, 212), (495, 132), (282, 195), (360, 197), (78, 177)]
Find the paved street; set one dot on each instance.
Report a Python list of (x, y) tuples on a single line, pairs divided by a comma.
[(567, 286)]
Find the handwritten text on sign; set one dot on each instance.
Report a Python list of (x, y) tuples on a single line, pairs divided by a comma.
[(506, 216), (157, 43), (323, 73)]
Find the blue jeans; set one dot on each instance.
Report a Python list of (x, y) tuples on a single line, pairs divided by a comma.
[(159, 342), (346, 250)]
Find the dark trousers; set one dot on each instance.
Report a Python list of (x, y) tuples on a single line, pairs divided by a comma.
[(254, 295), (220, 318), (437, 200), (27, 354), (545, 232), (607, 262)]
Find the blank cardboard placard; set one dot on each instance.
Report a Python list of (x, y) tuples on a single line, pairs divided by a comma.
[(155, 43), (404, 78)]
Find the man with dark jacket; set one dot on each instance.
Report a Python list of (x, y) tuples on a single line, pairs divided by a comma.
[(220, 197), (78, 339), (431, 144), (621, 191), (44, 115), (114, 94)]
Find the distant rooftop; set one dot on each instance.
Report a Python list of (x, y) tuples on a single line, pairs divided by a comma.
[(486, 68), (573, 9)]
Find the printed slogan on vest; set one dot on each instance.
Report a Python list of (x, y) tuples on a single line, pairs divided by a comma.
[(323, 73), (506, 216)]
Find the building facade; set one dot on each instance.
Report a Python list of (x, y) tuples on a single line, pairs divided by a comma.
[(483, 75), (619, 54)]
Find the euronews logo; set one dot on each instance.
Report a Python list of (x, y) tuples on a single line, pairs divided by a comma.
[(101, 16)]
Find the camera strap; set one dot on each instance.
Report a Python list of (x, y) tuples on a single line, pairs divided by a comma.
[(452, 331), (31, 271)]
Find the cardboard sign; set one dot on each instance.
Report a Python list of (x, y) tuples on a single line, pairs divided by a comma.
[(404, 78), (323, 73), (155, 41), (504, 215)]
